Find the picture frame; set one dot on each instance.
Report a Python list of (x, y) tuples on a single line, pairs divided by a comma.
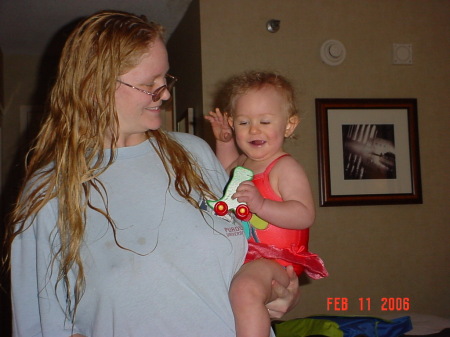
[(368, 151)]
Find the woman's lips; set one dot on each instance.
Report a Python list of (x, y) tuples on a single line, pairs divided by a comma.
[(154, 108)]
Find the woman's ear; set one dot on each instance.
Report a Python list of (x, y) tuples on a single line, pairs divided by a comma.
[(292, 123)]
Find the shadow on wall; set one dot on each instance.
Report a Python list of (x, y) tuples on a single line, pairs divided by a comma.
[(45, 78)]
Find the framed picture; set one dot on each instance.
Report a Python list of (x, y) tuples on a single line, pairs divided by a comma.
[(368, 151)]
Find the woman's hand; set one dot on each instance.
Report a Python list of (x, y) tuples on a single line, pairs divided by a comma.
[(219, 123), (286, 298)]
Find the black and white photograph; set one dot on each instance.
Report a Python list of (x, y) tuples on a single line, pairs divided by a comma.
[(368, 151)]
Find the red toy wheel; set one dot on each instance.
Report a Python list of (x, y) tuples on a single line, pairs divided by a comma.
[(243, 213), (221, 208)]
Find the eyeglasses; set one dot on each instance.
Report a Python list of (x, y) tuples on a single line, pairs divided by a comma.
[(156, 95)]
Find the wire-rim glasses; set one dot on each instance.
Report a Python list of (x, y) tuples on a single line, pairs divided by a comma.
[(156, 95)]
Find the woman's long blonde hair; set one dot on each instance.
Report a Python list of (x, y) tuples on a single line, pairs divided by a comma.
[(67, 156)]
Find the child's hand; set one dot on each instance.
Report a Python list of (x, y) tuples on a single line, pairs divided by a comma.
[(219, 124), (248, 193)]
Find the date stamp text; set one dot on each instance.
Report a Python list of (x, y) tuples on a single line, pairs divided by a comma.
[(368, 304)]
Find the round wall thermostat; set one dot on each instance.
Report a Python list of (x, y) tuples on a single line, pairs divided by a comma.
[(332, 52)]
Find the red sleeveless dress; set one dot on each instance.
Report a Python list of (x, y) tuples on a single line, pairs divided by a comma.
[(286, 246)]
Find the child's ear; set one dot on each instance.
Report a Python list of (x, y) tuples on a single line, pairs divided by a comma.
[(292, 123), (230, 122)]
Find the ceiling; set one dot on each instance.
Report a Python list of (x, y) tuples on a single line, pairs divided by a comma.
[(28, 26)]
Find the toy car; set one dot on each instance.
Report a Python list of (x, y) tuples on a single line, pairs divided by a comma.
[(226, 204)]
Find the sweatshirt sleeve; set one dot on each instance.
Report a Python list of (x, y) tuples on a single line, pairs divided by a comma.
[(37, 309)]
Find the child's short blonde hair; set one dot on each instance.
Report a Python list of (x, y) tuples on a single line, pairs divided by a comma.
[(240, 84)]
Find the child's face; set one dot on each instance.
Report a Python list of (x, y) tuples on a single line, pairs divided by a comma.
[(261, 123)]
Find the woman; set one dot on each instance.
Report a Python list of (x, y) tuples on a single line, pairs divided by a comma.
[(110, 236)]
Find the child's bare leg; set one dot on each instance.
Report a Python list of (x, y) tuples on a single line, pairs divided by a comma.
[(250, 290)]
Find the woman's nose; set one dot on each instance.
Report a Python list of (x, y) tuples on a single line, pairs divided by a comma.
[(165, 95)]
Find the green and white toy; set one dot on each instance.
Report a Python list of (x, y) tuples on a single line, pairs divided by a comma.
[(227, 203)]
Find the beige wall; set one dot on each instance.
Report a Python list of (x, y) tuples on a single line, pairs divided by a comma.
[(370, 251)]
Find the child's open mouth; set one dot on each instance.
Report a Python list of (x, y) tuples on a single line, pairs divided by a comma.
[(258, 142)]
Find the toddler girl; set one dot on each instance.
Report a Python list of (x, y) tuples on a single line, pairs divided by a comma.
[(262, 113)]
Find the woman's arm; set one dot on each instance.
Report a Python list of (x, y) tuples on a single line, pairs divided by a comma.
[(36, 308)]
